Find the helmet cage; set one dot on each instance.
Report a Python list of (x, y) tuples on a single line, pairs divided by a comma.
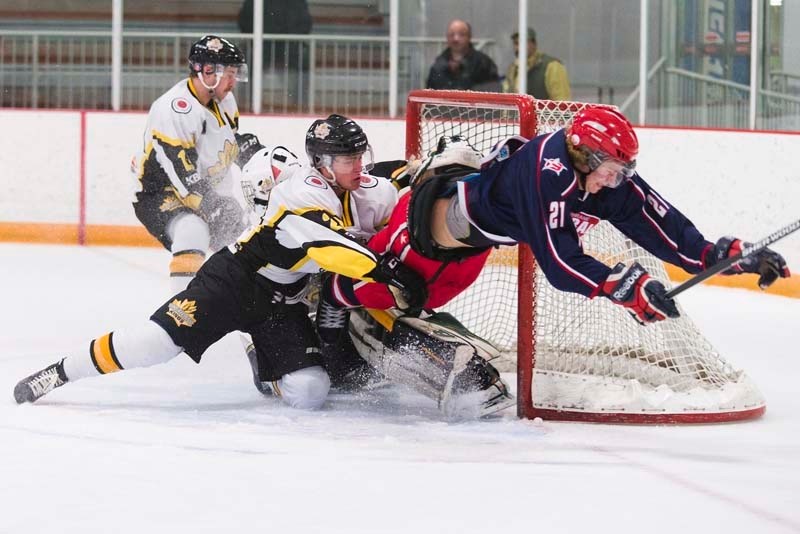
[(263, 172)]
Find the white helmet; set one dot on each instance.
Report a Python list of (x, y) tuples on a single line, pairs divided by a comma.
[(450, 150), (267, 168)]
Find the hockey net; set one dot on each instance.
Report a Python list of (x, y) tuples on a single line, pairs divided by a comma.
[(577, 359)]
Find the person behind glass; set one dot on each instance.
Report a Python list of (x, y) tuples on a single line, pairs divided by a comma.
[(461, 66), (284, 17), (547, 76)]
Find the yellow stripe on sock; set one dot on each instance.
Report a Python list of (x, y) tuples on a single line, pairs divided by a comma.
[(103, 355), (186, 263)]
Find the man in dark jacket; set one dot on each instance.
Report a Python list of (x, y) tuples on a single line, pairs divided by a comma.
[(460, 66)]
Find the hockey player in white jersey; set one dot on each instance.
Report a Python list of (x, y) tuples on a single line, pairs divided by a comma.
[(257, 285), (191, 139)]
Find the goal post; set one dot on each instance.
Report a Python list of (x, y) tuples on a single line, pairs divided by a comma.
[(575, 358)]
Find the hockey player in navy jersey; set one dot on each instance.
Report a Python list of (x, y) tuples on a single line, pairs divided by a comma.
[(315, 220), (532, 191), (183, 173)]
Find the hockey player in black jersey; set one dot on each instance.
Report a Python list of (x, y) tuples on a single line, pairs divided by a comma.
[(257, 285), (191, 139)]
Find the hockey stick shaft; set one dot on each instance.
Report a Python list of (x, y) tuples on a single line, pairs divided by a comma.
[(729, 262)]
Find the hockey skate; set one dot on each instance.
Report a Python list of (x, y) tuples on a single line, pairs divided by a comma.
[(263, 387), (41, 383), (347, 370)]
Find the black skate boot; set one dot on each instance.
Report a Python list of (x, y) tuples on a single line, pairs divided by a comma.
[(41, 383), (348, 371)]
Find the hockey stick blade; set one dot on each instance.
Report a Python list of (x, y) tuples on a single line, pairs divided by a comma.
[(729, 262)]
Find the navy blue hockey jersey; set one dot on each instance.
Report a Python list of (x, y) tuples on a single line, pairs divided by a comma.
[(533, 196)]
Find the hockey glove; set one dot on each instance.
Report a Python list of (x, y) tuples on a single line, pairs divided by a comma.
[(768, 264), (643, 297), (408, 288), (248, 146), (224, 216)]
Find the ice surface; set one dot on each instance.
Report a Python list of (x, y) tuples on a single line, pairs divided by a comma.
[(188, 448)]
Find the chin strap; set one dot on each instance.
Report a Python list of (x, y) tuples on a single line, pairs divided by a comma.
[(203, 83)]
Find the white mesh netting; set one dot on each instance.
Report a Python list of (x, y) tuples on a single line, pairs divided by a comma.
[(590, 356)]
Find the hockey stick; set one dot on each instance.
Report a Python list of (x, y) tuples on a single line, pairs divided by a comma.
[(729, 262)]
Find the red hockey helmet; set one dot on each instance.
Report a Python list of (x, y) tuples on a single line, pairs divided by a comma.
[(604, 133)]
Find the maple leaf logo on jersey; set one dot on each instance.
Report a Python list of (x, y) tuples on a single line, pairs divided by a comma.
[(170, 202), (182, 312), (225, 157), (553, 164), (322, 131)]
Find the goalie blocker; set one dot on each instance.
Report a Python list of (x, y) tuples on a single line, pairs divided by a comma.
[(436, 356)]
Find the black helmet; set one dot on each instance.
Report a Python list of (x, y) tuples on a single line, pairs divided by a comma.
[(334, 136), (216, 51)]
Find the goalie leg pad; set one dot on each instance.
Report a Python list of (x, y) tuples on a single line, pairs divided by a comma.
[(434, 360)]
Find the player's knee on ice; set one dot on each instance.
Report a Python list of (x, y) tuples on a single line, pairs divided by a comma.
[(305, 388)]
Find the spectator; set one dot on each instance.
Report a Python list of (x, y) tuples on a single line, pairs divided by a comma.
[(282, 17), (547, 76), (460, 66)]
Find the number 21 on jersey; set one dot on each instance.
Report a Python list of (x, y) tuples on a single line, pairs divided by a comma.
[(557, 214)]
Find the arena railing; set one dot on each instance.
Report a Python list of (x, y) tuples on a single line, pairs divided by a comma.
[(320, 73)]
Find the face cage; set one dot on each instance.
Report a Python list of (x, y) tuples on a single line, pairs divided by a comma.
[(598, 157), (367, 160)]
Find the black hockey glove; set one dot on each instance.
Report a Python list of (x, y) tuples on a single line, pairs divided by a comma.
[(248, 146), (768, 264), (407, 287), (643, 297)]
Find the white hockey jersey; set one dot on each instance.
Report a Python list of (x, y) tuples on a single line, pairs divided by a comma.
[(308, 229), (187, 146)]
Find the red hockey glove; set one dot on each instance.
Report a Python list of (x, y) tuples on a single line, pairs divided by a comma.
[(643, 297), (767, 263)]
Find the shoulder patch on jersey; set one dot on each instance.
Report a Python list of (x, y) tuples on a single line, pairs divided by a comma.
[(367, 181), (553, 164), (316, 181), (181, 105)]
